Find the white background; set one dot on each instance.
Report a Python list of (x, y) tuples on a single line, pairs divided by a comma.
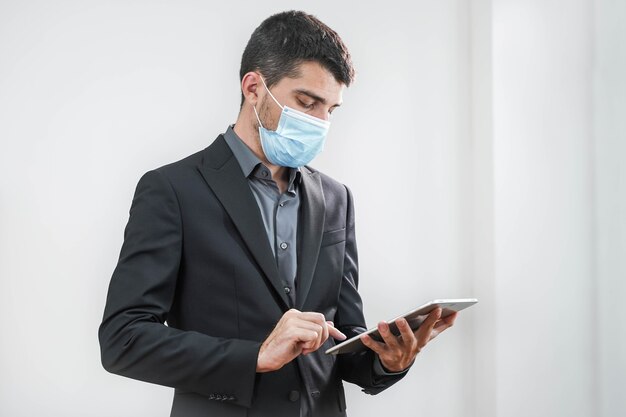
[(484, 142)]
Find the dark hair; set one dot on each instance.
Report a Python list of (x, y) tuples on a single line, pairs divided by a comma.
[(285, 40)]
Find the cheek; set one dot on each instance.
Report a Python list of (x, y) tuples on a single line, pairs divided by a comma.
[(270, 114)]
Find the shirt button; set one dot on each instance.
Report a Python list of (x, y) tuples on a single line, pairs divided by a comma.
[(294, 396), (284, 245), (287, 290), (282, 204)]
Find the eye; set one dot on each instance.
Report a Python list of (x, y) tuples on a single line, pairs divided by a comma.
[(307, 106)]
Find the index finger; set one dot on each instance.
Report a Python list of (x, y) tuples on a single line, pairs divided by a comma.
[(447, 321), (405, 331), (387, 335), (335, 332), (428, 324)]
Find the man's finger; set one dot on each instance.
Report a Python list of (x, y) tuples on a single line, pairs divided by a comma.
[(423, 332), (326, 332), (372, 344), (432, 319), (445, 322), (305, 334), (308, 336), (442, 325), (318, 319), (390, 339), (312, 316), (334, 332), (434, 315), (408, 338), (450, 319), (304, 324)]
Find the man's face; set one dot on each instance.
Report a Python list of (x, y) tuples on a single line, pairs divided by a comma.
[(315, 92)]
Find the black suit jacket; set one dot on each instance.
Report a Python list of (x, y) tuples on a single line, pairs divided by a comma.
[(196, 291)]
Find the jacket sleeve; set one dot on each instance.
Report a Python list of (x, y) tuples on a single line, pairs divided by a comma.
[(134, 340), (359, 367)]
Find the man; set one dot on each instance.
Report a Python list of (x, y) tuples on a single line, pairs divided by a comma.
[(249, 255)]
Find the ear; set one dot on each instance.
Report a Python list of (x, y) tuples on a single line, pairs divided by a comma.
[(249, 84)]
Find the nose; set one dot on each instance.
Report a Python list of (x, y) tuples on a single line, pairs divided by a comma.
[(322, 114)]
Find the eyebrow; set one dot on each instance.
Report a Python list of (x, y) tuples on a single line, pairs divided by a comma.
[(314, 96)]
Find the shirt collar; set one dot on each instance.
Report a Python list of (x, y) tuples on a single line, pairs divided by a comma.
[(244, 155), (250, 164)]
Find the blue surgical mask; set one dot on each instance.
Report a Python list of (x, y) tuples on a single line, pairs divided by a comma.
[(298, 138)]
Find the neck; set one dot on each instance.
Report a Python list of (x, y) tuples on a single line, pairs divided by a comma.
[(247, 130)]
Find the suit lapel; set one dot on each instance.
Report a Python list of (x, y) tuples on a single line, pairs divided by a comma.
[(222, 173), (311, 228)]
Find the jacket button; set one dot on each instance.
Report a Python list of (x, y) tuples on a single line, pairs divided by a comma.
[(294, 396), (287, 290), (315, 394)]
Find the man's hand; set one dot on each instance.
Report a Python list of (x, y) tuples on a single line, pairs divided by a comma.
[(296, 333), (398, 352)]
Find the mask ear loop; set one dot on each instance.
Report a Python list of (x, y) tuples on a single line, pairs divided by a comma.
[(257, 116), (272, 96), (270, 93)]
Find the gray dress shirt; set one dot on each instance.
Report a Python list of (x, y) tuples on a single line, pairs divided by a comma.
[(279, 211), (280, 218)]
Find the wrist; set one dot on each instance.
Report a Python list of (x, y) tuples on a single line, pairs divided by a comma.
[(261, 363), (392, 368), (265, 363)]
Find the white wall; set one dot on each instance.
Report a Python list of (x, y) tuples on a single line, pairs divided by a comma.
[(609, 186), (557, 107), (492, 130), (559, 199), (543, 208)]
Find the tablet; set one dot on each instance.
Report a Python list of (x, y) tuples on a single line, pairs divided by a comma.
[(414, 318)]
